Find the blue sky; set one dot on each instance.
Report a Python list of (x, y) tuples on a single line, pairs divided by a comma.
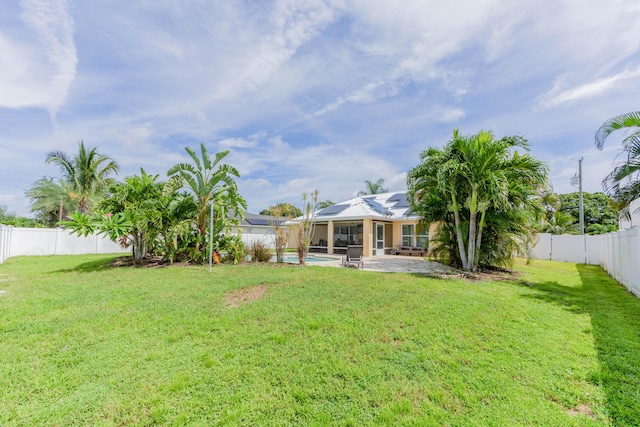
[(310, 94)]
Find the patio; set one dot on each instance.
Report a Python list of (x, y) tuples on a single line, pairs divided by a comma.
[(394, 264)]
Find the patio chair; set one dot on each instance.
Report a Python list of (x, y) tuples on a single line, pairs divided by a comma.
[(354, 257)]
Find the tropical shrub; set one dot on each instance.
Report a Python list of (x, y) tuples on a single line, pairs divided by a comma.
[(259, 252), (211, 182), (485, 190)]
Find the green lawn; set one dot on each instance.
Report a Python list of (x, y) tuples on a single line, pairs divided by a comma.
[(85, 344)]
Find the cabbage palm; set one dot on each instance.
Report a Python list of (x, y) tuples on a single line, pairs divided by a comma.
[(86, 172), (623, 183), (476, 182)]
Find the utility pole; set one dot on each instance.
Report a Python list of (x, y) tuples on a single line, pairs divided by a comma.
[(211, 236), (577, 179), (581, 199)]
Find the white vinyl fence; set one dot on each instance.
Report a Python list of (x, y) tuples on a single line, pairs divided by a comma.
[(618, 253), (620, 257), (15, 241), (5, 239), (583, 249), (262, 234)]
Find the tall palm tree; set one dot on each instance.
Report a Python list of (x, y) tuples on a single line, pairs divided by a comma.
[(210, 181), (86, 172), (623, 183), (476, 182)]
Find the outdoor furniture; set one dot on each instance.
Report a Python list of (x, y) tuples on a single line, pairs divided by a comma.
[(354, 257), (409, 250)]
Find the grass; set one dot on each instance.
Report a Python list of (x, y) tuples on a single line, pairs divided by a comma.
[(85, 344)]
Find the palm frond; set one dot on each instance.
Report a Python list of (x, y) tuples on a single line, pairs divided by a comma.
[(627, 120)]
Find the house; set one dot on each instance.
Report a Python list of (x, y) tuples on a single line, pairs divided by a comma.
[(381, 223)]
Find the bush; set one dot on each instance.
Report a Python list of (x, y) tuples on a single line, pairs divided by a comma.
[(259, 252)]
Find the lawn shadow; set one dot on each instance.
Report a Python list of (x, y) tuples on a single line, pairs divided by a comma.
[(615, 321), (92, 266)]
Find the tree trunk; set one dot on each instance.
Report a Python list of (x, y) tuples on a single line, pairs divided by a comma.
[(456, 216), (473, 217), (472, 241), (139, 247), (83, 205), (479, 238)]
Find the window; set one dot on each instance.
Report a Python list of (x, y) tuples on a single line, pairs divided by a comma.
[(415, 235), (408, 234)]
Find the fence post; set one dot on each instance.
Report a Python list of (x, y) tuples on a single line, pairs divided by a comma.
[(5, 242), (633, 258)]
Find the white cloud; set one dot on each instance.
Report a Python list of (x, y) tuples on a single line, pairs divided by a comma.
[(386, 79), (449, 115), (557, 97), (293, 24), (237, 142), (52, 77)]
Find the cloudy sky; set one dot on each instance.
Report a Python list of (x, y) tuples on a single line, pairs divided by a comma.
[(310, 94)]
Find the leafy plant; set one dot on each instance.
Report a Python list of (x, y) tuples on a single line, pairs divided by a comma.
[(210, 181), (231, 248)]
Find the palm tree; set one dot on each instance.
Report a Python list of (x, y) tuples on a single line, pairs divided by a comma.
[(561, 223), (623, 183), (479, 184), (86, 172), (210, 181), (51, 201), (373, 187), (138, 200)]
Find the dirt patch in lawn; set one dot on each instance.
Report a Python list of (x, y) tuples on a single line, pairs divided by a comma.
[(244, 296), (581, 410)]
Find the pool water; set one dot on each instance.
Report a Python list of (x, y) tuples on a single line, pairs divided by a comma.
[(310, 258)]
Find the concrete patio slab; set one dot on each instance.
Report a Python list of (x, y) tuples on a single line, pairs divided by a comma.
[(394, 264)]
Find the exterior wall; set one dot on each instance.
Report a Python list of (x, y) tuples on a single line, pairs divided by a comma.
[(367, 237), (320, 233), (388, 236), (16, 241), (397, 233)]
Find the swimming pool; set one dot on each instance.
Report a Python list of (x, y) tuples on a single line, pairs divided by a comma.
[(310, 259)]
